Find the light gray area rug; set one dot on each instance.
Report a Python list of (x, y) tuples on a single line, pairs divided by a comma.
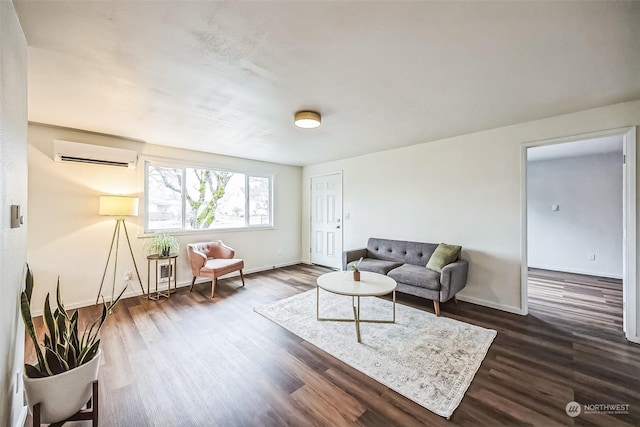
[(430, 360)]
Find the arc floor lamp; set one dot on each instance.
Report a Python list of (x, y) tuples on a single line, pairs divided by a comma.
[(120, 207)]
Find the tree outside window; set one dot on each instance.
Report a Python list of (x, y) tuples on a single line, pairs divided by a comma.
[(200, 198)]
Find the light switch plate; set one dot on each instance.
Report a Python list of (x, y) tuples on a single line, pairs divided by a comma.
[(16, 216)]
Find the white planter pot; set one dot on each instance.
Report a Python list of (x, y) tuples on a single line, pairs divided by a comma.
[(62, 395)]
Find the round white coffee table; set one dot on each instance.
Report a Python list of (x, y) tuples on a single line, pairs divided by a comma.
[(370, 285)]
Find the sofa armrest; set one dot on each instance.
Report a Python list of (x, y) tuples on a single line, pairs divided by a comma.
[(353, 255), (453, 279)]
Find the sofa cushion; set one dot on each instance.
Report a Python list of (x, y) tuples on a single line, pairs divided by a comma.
[(443, 255), (416, 275), (375, 265), (399, 250)]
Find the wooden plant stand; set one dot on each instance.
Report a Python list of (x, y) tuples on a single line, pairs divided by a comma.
[(88, 414)]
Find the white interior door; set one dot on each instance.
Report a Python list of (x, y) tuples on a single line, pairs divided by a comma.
[(326, 220)]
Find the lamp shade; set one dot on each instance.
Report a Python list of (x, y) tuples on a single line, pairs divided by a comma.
[(118, 206)]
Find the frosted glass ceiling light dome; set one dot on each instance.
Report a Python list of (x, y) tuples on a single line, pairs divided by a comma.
[(307, 119)]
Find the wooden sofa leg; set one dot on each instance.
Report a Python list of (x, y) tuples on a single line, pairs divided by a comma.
[(242, 277), (193, 282), (214, 281), (436, 306)]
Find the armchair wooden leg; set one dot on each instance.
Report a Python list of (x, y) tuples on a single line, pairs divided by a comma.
[(213, 286), (242, 277), (193, 282), (436, 306)]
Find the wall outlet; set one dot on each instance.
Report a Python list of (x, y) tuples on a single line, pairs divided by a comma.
[(128, 275), (591, 257)]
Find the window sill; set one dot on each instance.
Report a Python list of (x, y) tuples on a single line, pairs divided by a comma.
[(150, 234)]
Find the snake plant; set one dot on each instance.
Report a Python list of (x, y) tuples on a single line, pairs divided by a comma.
[(63, 348)]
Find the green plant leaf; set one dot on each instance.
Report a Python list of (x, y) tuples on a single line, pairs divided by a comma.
[(114, 302), (89, 353), (63, 354), (49, 321), (59, 300), (25, 310), (91, 339), (33, 372), (28, 283), (72, 358), (53, 361), (73, 340), (97, 324), (61, 323)]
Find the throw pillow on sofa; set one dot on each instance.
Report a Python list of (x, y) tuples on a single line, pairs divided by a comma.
[(443, 255)]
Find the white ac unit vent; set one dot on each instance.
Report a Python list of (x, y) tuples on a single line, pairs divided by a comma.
[(66, 151)]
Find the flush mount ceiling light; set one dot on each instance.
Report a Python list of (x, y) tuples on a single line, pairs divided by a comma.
[(307, 119)]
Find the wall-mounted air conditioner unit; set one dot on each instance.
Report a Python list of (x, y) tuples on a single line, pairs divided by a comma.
[(66, 151)]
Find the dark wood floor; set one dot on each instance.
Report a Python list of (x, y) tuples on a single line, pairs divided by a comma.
[(194, 361), (585, 302)]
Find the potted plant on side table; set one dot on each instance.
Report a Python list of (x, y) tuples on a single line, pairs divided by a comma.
[(61, 381), (163, 244)]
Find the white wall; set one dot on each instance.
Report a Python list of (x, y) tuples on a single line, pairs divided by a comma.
[(67, 237), (13, 191), (464, 190), (588, 192)]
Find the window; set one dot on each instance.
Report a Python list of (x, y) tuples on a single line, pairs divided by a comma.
[(192, 198)]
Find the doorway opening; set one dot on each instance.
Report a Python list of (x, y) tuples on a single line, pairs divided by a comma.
[(579, 231)]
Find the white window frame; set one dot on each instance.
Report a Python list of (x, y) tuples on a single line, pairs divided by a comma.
[(184, 167)]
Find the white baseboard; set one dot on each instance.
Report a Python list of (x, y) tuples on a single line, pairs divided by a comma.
[(490, 304), (284, 264), (635, 339), (572, 271), (22, 418)]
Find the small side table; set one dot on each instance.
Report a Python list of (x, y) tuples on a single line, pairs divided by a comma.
[(173, 269)]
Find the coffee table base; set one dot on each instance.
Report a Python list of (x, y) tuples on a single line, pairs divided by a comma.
[(356, 313)]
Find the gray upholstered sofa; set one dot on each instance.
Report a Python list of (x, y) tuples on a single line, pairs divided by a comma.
[(405, 262)]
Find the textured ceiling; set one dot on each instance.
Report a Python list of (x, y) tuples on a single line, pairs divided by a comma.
[(226, 77)]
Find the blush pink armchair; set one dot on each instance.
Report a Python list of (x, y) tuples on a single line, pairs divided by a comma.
[(212, 259)]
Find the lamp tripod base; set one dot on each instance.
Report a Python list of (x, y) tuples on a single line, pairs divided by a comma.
[(115, 239)]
